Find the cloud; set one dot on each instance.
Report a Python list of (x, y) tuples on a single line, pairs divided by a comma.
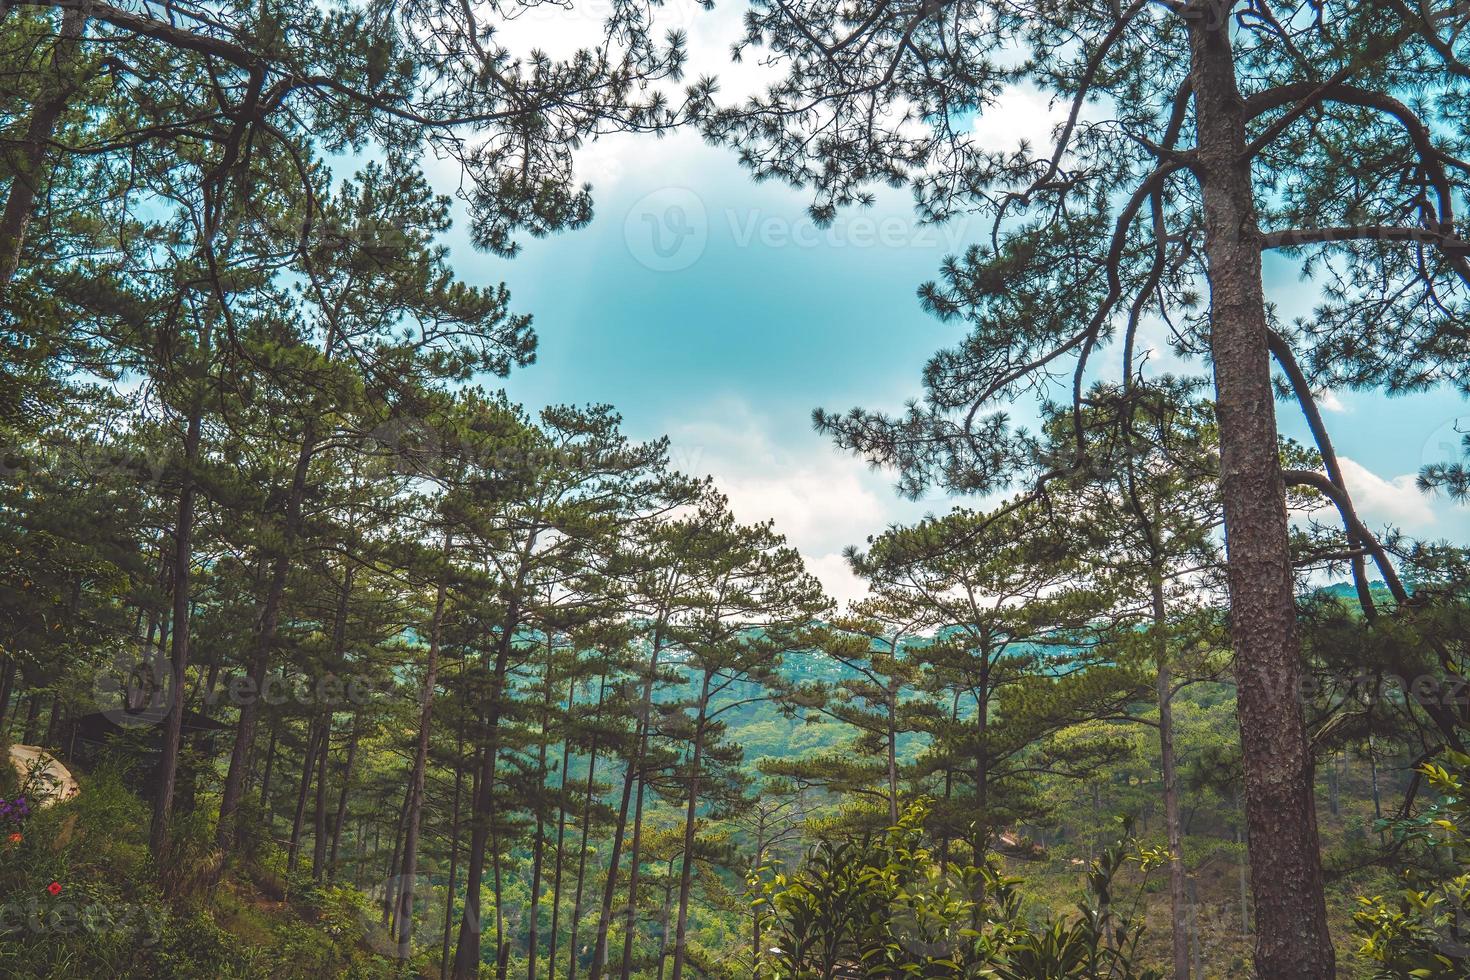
[(838, 578), (821, 499), (1021, 112), (1395, 501)]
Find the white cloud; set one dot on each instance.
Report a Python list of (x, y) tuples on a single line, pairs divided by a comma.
[(1022, 112), (1328, 401), (834, 572), (822, 500), (1395, 501)]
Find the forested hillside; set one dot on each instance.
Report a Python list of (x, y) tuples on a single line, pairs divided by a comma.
[(323, 654)]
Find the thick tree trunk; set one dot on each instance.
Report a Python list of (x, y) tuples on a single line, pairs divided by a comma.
[(1292, 941), (29, 162)]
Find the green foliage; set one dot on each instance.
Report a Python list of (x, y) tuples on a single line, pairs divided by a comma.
[(887, 907), (1423, 931)]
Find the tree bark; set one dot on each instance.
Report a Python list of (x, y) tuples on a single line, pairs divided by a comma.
[(635, 868), (265, 779), (453, 838), (319, 829), (1292, 941), (561, 836), (538, 851)]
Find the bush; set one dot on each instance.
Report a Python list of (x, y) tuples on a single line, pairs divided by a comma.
[(884, 907), (1423, 931)]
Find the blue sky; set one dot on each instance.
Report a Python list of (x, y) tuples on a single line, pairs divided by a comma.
[(708, 308)]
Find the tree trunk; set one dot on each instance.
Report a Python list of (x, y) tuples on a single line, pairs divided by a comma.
[(319, 830), (635, 764), (1292, 941), (561, 836), (635, 863), (502, 949), (893, 754), (7, 681), (33, 720), (420, 766), (265, 779), (1164, 688), (390, 893), (582, 848), (538, 851), (467, 952), (663, 932), (341, 818), (303, 792), (28, 163), (686, 873), (453, 837), (265, 639)]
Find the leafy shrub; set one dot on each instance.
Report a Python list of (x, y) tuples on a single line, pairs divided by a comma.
[(1423, 931), (882, 906)]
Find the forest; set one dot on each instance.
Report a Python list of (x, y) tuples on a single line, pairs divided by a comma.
[(325, 652)]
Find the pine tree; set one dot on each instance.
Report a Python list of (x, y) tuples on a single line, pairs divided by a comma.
[(1198, 134)]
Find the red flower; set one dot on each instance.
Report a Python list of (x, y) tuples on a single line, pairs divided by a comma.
[(54, 888), (15, 838)]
